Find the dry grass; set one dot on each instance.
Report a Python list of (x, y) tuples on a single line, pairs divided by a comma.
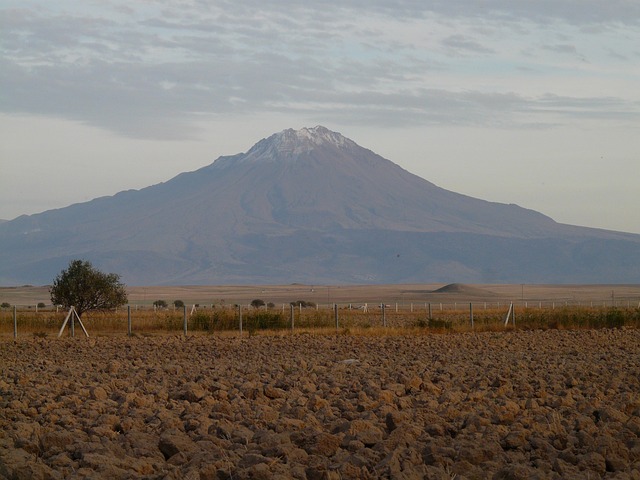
[(320, 321)]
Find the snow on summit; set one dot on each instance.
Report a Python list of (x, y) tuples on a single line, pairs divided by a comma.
[(290, 142), (319, 135)]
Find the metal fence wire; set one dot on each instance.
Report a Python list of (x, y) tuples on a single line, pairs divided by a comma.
[(341, 317)]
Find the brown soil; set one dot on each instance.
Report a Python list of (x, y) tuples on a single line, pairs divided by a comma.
[(523, 404)]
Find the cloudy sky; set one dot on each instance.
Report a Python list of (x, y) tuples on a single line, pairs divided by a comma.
[(534, 102)]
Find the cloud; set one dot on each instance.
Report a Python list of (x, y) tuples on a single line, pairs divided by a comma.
[(150, 70), (464, 45), (562, 48)]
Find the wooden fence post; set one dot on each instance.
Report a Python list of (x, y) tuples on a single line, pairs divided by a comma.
[(184, 319), (291, 316), (15, 323), (129, 319), (384, 316)]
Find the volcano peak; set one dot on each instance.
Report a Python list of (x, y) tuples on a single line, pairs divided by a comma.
[(290, 142)]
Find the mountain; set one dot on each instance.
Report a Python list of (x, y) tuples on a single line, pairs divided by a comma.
[(310, 206)]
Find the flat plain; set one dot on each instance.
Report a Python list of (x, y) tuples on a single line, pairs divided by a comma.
[(327, 294)]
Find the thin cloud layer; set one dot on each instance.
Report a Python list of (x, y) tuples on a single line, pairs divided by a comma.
[(154, 70)]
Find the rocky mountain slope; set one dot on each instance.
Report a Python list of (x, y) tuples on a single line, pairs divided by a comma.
[(310, 206)]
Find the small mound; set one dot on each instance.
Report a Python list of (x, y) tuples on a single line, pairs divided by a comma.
[(462, 288)]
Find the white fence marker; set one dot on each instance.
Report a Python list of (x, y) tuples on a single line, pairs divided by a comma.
[(72, 315)]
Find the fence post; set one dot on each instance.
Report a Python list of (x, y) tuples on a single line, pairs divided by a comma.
[(15, 323), (240, 318), (291, 315), (384, 315), (184, 319), (471, 313), (335, 314), (129, 319), (430, 318)]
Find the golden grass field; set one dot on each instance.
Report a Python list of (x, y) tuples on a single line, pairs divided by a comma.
[(419, 308)]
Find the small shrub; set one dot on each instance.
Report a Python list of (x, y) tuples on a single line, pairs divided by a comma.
[(160, 304), (201, 321), (257, 303), (303, 304), (263, 320), (5, 305), (224, 320), (173, 322), (614, 318), (317, 319), (41, 305), (178, 303), (439, 324)]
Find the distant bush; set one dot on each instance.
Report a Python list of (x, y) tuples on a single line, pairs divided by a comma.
[(41, 305), (257, 303), (5, 305), (178, 303), (303, 304), (160, 304)]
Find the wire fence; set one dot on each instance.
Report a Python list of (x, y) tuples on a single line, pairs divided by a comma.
[(246, 320)]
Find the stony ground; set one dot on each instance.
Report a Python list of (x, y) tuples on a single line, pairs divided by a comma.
[(536, 404)]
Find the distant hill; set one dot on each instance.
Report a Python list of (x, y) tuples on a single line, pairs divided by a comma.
[(310, 206), (458, 288)]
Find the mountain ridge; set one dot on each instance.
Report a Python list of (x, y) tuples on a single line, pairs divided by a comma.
[(309, 205)]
